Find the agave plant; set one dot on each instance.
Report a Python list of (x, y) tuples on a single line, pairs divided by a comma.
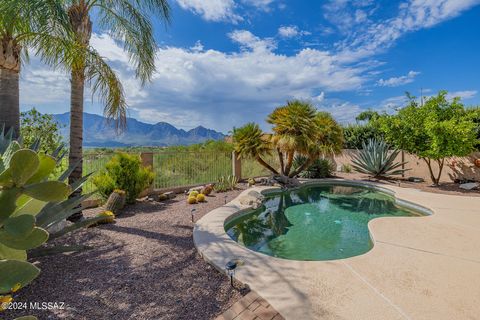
[(377, 160)]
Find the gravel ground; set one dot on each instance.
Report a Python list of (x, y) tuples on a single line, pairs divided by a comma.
[(144, 266)]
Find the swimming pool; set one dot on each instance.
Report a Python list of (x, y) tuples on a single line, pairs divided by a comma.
[(318, 222)]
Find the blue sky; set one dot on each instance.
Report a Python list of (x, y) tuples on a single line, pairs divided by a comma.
[(222, 63)]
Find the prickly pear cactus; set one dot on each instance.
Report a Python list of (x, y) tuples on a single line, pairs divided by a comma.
[(24, 192)]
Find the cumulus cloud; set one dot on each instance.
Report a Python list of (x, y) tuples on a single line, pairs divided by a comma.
[(212, 10), (370, 38), (223, 10), (398, 81), (464, 95), (195, 85), (291, 32)]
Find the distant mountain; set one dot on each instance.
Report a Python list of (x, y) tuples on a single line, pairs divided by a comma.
[(98, 132)]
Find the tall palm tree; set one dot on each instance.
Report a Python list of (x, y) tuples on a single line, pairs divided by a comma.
[(127, 21), (249, 141), (294, 130), (35, 25), (298, 129)]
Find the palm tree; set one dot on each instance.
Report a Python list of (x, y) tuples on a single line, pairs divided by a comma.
[(35, 25), (250, 142), (294, 130), (128, 22), (298, 129)]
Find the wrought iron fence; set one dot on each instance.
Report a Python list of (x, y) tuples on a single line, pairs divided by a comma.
[(176, 169)]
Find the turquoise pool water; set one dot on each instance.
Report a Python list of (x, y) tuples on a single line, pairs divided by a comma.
[(322, 222)]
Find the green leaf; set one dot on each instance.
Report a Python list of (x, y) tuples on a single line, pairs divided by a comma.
[(5, 177), (48, 191), (19, 226), (46, 167), (14, 272), (24, 164), (7, 253), (8, 205), (31, 206), (37, 237), (11, 149)]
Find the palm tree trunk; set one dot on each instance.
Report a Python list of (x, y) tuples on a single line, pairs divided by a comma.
[(9, 87), (288, 167), (76, 132), (266, 165), (82, 25), (9, 101)]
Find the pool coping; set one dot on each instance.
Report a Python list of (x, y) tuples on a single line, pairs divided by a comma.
[(296, 296)]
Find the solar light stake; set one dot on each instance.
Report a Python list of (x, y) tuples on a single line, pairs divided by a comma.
[(192, 213), (230, 267), (225, 198)]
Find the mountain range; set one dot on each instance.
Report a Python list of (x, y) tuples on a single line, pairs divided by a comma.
[(98, 132)]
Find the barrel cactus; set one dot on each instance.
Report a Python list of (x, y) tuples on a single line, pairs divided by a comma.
[(116, 201), (107, 217), (200, 197)]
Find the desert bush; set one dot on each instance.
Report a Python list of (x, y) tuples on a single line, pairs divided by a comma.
[(125, 172), (226, 183), (347, 168), (320, 168)]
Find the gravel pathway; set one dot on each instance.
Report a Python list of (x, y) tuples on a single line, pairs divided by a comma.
[(144, 266)]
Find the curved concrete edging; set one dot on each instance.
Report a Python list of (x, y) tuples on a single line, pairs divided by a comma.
[(364, 286)]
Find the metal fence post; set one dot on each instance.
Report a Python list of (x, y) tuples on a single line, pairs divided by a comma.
[(236, 166)]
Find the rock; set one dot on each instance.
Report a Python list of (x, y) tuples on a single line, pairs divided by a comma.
[(198, 189), (170, 194), (286, 181), (253, 199), (207, 189), (415, 179), (469, 186)]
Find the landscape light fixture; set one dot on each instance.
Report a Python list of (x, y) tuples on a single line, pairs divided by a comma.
[(225, 198), (192, 212), (230, 267)]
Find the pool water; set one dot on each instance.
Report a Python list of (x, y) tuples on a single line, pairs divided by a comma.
[(322, 222)]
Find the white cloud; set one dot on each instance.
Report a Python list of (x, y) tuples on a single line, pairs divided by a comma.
[(291, 32), (223, 10), (217, 89), (248, 40), (398, 81), (370, 38), (264, 5), (343, 112), (212, 10), (464, 95)]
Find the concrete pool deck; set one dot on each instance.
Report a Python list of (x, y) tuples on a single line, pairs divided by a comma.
[(419, 268)]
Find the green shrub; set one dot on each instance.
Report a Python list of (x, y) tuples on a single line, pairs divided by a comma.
[(226, 183), (125, 172), (321, 168), (357, 133), (347, 168)]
